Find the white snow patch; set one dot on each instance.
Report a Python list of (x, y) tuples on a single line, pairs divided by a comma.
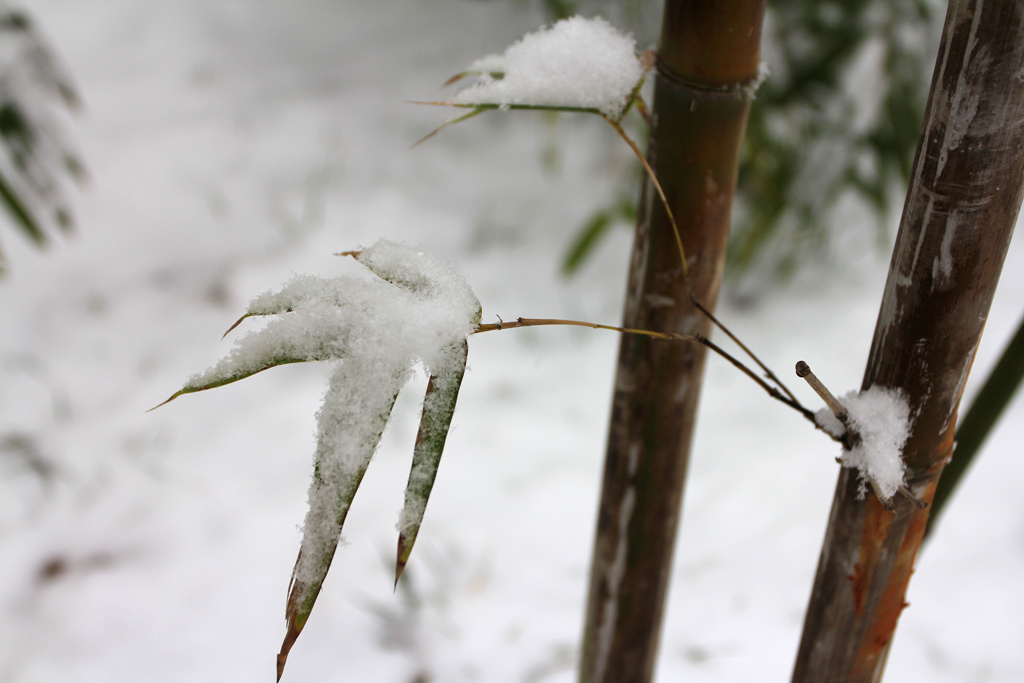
[(419, 308), (349, 424), (378, 329), (882, 418), (576, 62)]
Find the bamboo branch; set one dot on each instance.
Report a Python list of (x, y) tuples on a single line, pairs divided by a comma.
[(838, 409), (661, 193), (696, 338), (682, 255)]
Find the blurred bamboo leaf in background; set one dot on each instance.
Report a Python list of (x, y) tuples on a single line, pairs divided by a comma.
[(838, 115), (36, 158)]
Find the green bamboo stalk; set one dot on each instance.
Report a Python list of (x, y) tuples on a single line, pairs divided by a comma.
[(708, 66)]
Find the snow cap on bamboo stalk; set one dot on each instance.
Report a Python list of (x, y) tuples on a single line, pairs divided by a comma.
[(576, 62)]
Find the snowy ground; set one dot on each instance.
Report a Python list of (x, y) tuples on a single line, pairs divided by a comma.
[(233, 143)]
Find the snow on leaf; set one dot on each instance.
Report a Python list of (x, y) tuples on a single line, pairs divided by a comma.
[(419, 305), (376, 330), (881, 418), (575, 64), (438, 409), (350, 424)]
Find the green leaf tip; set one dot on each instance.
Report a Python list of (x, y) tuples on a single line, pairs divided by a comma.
[(435, 422), (219, 382)]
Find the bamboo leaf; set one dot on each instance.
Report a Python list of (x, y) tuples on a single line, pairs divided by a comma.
[(418, 309), (438, 409), (350, 424), (981, 418), (496, 75), (234, 377), (21, 213), (585, 241), (477, 110)]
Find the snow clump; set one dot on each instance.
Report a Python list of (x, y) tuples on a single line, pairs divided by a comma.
[(414, 312), (576, 62), (418, 311), (881, 417)]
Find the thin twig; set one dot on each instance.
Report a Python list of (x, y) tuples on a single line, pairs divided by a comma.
[(851, 437), (789, 398), (641, 108), (909, 495), (887, 503), (686, 273), (664, 200), (767, 371), (697, 338)]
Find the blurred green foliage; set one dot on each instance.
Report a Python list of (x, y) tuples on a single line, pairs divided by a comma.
[(839, 115), (36, 160), (995, 395)]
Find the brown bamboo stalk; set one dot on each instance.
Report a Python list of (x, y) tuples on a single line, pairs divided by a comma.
[(708, 66), (962, 204)]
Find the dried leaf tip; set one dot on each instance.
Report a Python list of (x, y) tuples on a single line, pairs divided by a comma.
[(286, 646), (456, 78), (173, 396), (233, 326), (401, 559)]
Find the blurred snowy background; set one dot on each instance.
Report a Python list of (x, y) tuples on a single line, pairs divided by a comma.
[(231, 144)]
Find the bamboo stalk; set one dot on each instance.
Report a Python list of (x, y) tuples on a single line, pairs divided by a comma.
[(962, 203), (708, 62)]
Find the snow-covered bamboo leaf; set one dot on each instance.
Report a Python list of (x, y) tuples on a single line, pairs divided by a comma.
[(302, 289), (575, 65), (419, 310), (428, 279), (438, 408), (350, 423)]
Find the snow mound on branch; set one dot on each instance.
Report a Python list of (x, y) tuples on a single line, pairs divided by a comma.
[(577, 62), (882, 418)]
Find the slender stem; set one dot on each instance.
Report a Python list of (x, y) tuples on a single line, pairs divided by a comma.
[(661, 193), (767, 371), (909, 495), (682, 254), (641, 108), (697, 338)]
